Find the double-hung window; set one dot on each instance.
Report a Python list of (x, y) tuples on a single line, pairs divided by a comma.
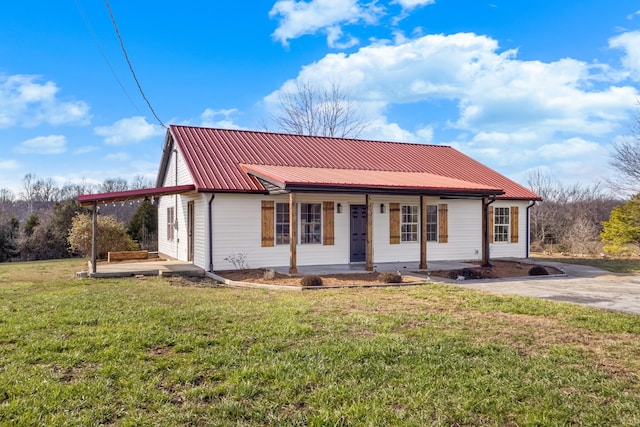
[(170, 223), (310, 223), (501, 224), (282, 223), (432, 223), (409, 223)]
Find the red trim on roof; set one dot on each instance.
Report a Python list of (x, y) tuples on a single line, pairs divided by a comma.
[(213, 158), (286, 176), (121, 196)]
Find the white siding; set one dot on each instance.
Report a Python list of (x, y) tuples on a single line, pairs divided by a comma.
[(178, 247), (236, 230), (236, 222), (506, 249)]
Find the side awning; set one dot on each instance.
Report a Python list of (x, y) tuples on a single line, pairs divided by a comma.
[(122, 196)]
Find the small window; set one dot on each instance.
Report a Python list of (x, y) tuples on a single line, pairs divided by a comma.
[(432, 223), (310, 223), (409, 224), (501, 217), (282, 223), (170, 223)]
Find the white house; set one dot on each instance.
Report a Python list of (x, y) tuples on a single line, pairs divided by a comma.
[(278, 200)]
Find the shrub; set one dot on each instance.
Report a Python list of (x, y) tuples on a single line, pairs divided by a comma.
[(389, 277), (311, 280), (112, 235), (538, 270)]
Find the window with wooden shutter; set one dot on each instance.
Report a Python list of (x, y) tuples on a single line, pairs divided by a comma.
[(514, 224), (443, 223), (267, 223), (394, 223), (327, 229)]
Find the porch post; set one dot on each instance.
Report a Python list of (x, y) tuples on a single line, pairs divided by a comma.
[(94, 239), (485, 232), (423, 234), (369, 262), (293, 233)]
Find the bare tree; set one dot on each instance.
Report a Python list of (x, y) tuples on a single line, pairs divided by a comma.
[(569, 218), (311, 110), (625, 157), (6, 195), (139, 181), (111, 185), (45, 190)]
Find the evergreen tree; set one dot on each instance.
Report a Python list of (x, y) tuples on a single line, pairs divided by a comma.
[(144, 225), (623, 227)]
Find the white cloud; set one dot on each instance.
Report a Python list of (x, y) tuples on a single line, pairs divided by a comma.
[(52, 144), (9, 165), (24, 101), (129, 130), (219, 118), (85, 149), (412, 4), (507, 112), (630, 43), (117, 157), (298, 18), (494, 90), (334, 35)]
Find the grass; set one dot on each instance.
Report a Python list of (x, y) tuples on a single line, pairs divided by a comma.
[(172, 352), (629, 265)]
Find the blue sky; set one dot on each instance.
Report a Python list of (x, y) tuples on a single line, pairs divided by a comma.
[(517, 85)]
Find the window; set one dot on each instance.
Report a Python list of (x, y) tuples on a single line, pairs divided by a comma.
[(432, 223), (409, 224), (170, 223), (501, 224), (282, 223), (310, 222)]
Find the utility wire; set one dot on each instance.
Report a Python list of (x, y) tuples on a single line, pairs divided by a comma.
[(115, 25), (104, 56)]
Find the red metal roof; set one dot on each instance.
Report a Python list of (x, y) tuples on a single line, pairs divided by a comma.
[(286, 176), (214, 158), (121, 196)]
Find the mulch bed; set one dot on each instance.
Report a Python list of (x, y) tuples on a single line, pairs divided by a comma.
[(500, 269)]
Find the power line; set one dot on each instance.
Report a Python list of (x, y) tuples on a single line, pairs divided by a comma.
[(115, 25), (104, 56)]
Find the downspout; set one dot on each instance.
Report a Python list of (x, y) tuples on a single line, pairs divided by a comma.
[(175, 208), (486, 258), (213, 196), (533, 203)]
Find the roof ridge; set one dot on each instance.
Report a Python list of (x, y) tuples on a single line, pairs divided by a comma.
[(289, 135)]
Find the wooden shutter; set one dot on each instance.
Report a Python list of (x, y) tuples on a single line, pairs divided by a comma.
[(394, 223), (491, 222), (443, 223), (327, 225), (268, 220), (514, 224)]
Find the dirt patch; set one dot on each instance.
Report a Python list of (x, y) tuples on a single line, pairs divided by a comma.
[(498, 270), (350, 279)]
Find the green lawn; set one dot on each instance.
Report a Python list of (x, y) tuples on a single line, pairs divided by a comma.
[(171, 352)]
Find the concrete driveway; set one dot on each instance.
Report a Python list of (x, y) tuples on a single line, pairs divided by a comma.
[(582, 285)]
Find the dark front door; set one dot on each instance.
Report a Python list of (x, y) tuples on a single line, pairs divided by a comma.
[(358, 233)]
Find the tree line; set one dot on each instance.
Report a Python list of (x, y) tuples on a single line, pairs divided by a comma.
[(35, 223)]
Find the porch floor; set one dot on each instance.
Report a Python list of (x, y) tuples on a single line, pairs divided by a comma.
[(380, 267), (147, 268)]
